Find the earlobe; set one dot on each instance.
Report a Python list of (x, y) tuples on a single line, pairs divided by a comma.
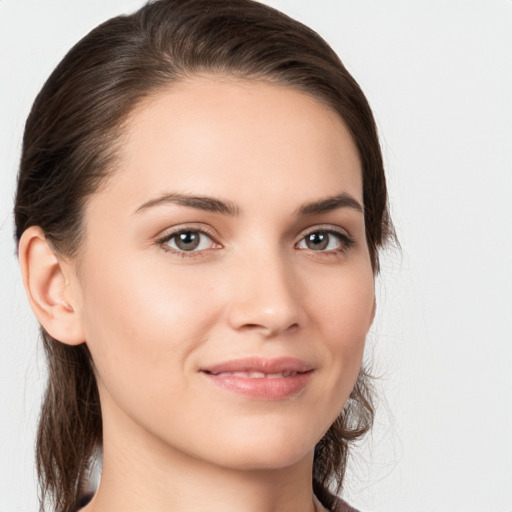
[(47, 281)]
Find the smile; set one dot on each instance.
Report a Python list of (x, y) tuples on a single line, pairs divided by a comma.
[(261, 379)]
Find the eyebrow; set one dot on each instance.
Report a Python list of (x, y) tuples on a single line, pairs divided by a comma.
[(331, 203), (209, 204)]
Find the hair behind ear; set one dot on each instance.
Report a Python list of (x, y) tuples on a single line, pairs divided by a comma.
[(331, 452), (72, 427)]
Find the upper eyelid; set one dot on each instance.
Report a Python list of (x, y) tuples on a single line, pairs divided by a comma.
[(325, 227), (182, 228)]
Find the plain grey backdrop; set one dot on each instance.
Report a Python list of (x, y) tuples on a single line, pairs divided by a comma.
[(438, 74)]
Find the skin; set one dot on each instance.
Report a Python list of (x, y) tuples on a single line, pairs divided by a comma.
[(153, 315)]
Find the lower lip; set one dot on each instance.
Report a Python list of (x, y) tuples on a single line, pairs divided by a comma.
[(279, 388)]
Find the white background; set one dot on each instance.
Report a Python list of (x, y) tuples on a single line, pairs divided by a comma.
[(438, 74)]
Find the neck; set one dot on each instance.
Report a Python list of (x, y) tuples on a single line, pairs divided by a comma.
[(190, 486), (141, 473)]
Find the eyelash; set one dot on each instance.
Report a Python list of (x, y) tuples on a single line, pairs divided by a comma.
[(164, 241), (345, 241)]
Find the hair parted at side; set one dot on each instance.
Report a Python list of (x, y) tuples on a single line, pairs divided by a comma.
[(69, 151)]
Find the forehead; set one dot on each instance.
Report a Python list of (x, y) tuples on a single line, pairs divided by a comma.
[(226, 136)]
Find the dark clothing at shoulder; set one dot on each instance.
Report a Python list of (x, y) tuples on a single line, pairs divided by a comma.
[(83, 501), (343, 506)]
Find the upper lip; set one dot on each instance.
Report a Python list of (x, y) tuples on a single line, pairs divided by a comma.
[(262, 365)]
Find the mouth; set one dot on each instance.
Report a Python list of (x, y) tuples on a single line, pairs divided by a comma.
[(261, 379), (255, 374)]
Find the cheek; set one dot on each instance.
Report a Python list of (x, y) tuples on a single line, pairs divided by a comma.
[(139, 320), (344, 314)]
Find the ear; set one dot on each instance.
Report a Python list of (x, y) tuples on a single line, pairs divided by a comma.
[(49, 281)]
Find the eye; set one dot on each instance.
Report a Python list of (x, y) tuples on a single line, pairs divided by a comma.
[(324, 240), (187, 240)]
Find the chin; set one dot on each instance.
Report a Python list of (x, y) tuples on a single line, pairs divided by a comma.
[(254, 459), (267, 449)]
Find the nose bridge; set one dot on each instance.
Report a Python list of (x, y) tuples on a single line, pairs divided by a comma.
[(265, 294)]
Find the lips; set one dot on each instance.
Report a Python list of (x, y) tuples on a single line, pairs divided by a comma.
[(263, 379), (257, 375)]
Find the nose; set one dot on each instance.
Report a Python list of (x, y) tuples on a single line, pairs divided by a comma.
[(265, 297)]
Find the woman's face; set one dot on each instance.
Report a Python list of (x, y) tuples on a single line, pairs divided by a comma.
[(225, 287)]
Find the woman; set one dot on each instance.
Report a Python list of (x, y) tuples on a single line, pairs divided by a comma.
[(200, 206)]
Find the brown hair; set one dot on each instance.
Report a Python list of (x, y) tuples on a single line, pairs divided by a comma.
[(69, 149)]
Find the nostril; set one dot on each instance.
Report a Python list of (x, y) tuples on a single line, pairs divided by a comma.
[(269, 329)]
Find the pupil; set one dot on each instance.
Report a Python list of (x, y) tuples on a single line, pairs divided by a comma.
[(318, 241), (187, 241)]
